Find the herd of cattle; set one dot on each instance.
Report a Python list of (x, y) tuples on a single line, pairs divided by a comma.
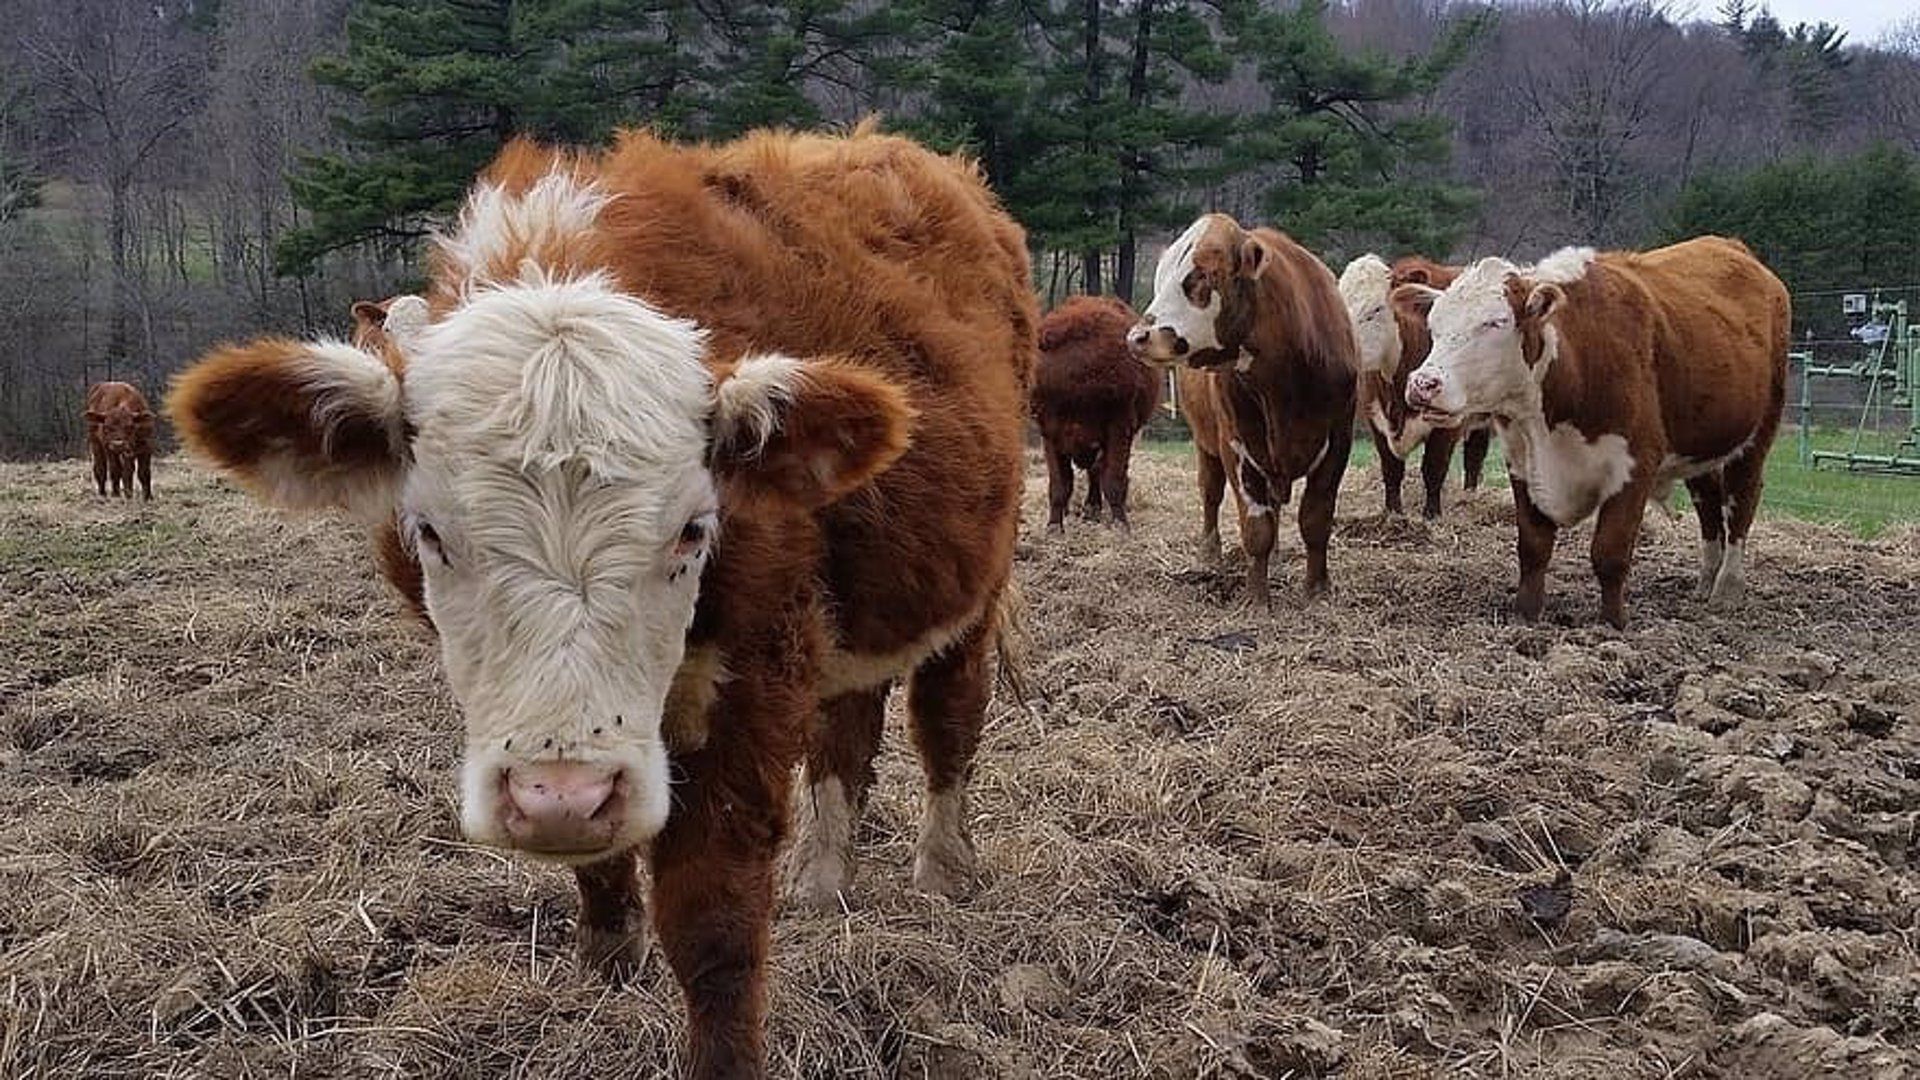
[(689, 454)]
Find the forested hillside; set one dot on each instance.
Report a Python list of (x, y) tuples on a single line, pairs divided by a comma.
[(178, 172)]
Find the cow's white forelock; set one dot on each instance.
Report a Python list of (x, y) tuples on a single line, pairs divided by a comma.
[(552, 372)]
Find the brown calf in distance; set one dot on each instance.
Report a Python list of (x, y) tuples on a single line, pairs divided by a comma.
[(699, 451), (1091, 397), (120, 436), (1611, 377), (1263, 316)]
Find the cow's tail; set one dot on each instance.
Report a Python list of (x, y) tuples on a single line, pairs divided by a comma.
[(1011, 645)]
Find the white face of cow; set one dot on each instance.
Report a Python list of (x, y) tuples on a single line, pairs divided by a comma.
[(1478, 365), (1365, 286), (556, 450), (562, 511)]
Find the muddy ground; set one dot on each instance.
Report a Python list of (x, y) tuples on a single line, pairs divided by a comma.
[(1394, 834)]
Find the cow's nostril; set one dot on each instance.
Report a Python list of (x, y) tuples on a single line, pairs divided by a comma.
[(562, 805)]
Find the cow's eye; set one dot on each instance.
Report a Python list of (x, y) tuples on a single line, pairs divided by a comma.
[(1493, 324), (695, 534)]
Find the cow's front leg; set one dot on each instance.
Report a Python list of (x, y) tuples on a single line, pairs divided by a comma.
[(100, 469), (1614, 533), (612, 936), (713, 870), (1317, 500), (840, 757), (1537, 533), (1059, 488)]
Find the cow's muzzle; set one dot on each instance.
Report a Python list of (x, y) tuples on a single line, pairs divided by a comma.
[(1157, 344)]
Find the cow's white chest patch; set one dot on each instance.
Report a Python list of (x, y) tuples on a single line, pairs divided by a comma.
[(1568, 475)]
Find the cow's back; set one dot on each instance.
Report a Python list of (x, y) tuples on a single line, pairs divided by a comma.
[(1085, 372), (1720, 332), (866, 247)]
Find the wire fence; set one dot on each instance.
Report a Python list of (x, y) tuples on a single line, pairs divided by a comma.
[(1849, 450)]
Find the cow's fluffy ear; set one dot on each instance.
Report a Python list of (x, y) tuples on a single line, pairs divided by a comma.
[(1414, 300), (1544, 300), (805, 432), (303, 425), (1254, 256)]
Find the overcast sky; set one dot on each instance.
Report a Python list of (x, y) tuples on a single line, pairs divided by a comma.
[(1863, 20)]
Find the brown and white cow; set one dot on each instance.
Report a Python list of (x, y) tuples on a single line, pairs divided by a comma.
[(120, 437), (1610, 378), (1091, 397), (1392, 342), (699, 450), (1263, 317)]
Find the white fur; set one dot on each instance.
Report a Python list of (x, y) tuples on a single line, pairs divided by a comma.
[(406, 319), (748, 405), (1171, 310), (495, 225), (1712, 557), (1731, 583), (823, 857), (843, 672), (1255, 508), (560, 449), (1568, 475), (1365, 286), (943, 857), (1476, 347), (1563, 267), (344, 382)]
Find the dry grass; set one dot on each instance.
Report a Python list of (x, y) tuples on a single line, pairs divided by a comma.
[(1217, 843)]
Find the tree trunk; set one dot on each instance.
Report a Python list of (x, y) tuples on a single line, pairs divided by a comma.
[(1089, 105), (1131, 162)]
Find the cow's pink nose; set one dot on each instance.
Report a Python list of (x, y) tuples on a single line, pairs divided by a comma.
[(1422, 387), (562, 806)]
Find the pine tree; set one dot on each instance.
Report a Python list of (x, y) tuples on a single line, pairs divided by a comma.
[(1358, 164), (440, 85)]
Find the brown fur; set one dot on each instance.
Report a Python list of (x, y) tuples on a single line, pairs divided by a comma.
[(897, 276), (1292, 409), (1390, 392), (120, 437), (1091, 397), (1682, 351)]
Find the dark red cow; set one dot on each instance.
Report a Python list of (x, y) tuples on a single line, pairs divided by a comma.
[(1091, 397)]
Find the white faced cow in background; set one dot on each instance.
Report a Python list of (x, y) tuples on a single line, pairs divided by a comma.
[(1610, 378)]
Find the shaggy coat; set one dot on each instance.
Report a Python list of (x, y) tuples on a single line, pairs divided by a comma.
[(120, 437), (1263, 317), (1091, 396), (1611, 378), (854, 321)]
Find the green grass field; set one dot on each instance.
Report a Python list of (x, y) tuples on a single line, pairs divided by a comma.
[(1865, 503)]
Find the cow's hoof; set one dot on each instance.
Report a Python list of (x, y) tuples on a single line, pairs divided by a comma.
[(819, 882), (944, 861), (618, 956), (1054, 528), (949, 871)]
